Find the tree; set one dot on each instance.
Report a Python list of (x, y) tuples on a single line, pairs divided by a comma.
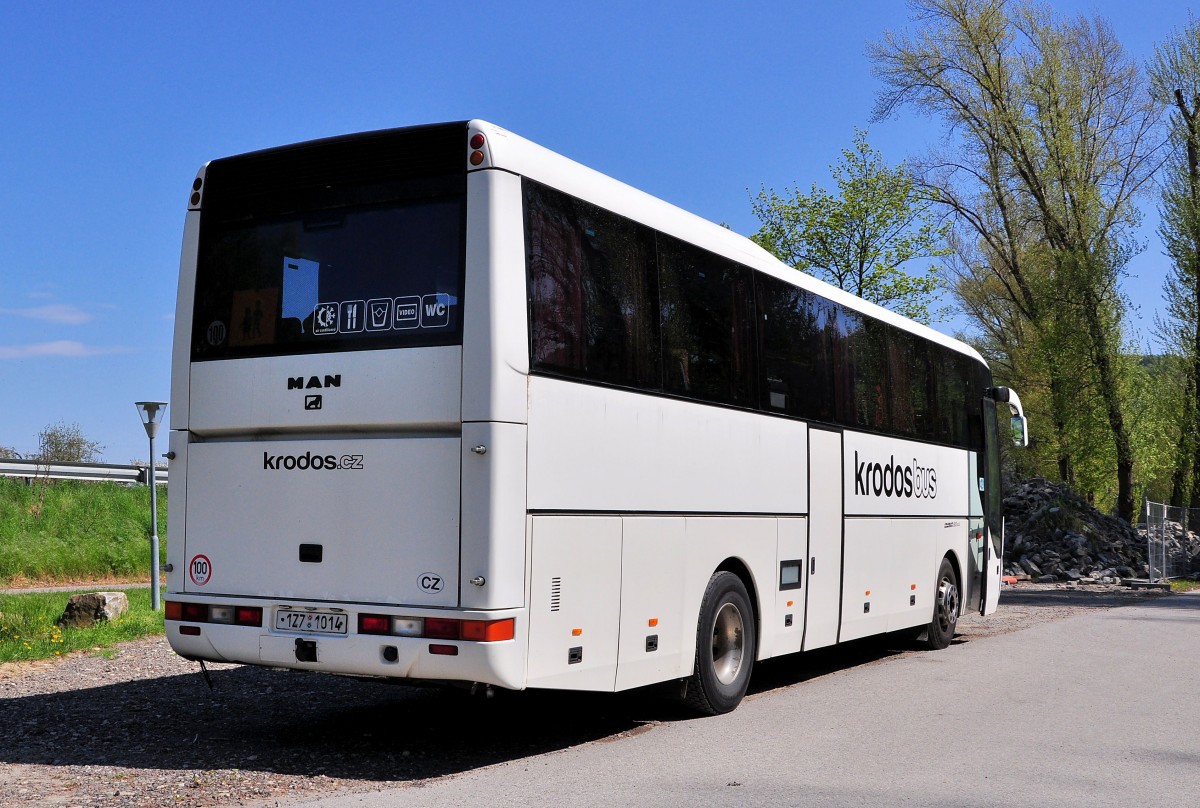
[(1175, 83), (1055, 140), (65, 443), (861, 239)]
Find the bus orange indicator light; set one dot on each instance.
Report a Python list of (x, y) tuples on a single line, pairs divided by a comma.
[(476, 158), (652, 622), (914, 587), (789, 604), (868, 593), (575, 632)]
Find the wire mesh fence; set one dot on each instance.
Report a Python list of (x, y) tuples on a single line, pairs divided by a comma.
[(1172, 545)]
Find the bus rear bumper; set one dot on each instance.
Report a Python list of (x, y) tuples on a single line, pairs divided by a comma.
[(500, 663)]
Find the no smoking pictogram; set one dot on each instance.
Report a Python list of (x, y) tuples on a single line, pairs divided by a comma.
[(200, 570)]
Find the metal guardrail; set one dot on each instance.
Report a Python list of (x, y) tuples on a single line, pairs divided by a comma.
[(92, 472)]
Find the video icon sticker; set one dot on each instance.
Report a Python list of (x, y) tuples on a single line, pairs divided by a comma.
[(407, 313)]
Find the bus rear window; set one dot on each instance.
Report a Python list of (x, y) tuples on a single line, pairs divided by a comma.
[(385, 276)]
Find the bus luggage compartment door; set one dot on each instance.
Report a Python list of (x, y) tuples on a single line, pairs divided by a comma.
[(362, 520)]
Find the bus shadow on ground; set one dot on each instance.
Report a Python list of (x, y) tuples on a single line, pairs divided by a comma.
[(305, 724), (291, 723)]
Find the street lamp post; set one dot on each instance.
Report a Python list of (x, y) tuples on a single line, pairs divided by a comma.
[(151, 413)]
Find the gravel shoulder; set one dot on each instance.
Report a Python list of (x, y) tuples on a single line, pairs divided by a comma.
[(138, 726)]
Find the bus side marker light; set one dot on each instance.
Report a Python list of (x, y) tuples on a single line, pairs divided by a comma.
[(576, 632), (790, 604), (913, 587), (653, 622), (868, 593)]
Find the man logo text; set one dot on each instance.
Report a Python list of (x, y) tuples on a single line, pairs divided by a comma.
[(300, 383)]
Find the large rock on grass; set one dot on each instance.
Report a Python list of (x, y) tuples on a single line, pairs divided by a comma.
[(84, 611)]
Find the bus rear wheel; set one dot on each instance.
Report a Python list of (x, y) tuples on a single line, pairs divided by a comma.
[(726, 644), (946, 603)]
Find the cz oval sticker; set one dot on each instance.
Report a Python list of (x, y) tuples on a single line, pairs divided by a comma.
[(430, 582), (200, 570)]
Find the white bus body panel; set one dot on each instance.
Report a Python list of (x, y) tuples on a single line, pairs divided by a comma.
[(386, 520), (575, 602), (599, 449), (823, 571), (495, 310), (409, 388)]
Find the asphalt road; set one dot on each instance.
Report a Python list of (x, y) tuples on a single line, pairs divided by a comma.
[(1096, 710)]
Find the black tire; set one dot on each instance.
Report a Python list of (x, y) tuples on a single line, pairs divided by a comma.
[(947, 601), (726, 644)]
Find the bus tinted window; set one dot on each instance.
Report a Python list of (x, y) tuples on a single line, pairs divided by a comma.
[(707, 325), (331, 280), (593, 299), (613, 302), (795, 332)]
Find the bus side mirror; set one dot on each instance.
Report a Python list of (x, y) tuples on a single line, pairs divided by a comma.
[(1020, 430)]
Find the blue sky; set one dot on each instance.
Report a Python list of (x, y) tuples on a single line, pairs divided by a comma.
[(108, 109)]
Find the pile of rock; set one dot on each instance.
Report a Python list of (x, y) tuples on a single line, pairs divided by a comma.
[(1053, 534)]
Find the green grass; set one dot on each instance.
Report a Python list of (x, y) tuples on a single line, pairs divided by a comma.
[(1184, 585), (76, 531), (29, 630)]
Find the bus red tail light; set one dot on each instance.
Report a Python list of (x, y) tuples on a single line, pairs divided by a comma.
[(440, 628), (195, 613), (173, 610), (374, 624), (248, 616)]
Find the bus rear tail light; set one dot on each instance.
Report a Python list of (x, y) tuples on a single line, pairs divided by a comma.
[(438, 628), (205, 613), (374, 624)]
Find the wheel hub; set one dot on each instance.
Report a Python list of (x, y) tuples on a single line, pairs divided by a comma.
[(727, 645)]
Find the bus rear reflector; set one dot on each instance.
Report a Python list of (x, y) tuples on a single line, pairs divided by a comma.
[(444, 650)]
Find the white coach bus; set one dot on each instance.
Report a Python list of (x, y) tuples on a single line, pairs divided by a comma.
[(450, 407)]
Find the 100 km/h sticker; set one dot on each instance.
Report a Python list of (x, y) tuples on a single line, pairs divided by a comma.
[(200, 570)]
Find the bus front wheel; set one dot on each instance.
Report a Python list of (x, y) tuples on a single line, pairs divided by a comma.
[(946, 602), (726, 644)]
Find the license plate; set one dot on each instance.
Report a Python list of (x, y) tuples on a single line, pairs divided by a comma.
[(310, 622)]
